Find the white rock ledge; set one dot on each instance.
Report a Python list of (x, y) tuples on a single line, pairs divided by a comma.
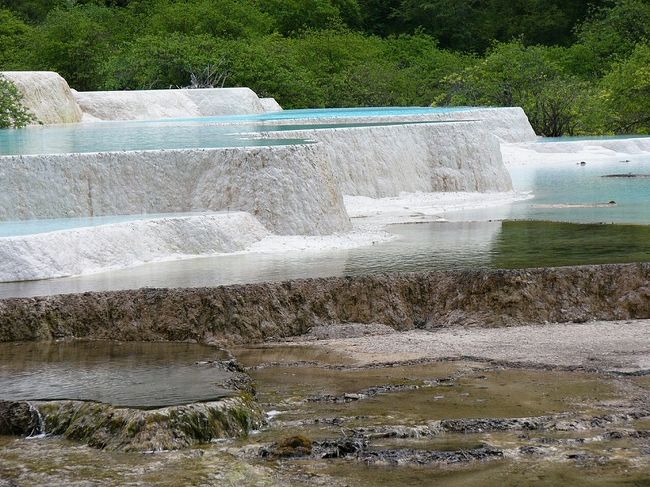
[(160, 104), (46, 95), (92, 249), (290, 189)]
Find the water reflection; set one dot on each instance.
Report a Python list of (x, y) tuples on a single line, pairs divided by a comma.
[(418, 247)]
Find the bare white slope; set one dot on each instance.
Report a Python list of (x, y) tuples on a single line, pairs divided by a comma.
[(119, 245), (509, 124), (385, 161), (290, 189), (46, 95), (158, 104), (270, 105)]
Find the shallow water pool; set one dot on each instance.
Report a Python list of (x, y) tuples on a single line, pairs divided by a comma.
[(132, 374)]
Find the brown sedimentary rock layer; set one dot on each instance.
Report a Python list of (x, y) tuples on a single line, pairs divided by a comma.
[(253, 312)]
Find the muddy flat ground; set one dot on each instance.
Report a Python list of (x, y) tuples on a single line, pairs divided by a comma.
[(613, 346)]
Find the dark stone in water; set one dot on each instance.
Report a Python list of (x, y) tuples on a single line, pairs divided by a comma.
[(341, 447), (530, 450), (18, 418), (365, 393), (491, 424)]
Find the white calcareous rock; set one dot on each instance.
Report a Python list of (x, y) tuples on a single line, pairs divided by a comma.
[(46, 95), (160, 104), (290, 189), (91, 249), (384, 161)]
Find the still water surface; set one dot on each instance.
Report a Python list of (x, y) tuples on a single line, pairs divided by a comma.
[(143, 375)]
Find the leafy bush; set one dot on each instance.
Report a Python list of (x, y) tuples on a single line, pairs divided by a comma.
[(12, 111), (612, 34), (159, 61)]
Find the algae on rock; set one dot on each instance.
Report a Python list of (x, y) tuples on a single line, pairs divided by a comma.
[(125, 429)]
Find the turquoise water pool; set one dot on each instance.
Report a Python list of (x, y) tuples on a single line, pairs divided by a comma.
[(582, 194), (31, 227), (327, 113), (192, 133)]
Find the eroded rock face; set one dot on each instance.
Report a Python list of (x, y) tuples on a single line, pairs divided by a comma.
[(254, 312)]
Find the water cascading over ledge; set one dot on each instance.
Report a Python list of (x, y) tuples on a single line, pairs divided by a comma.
[(290, 190), (118, 245), (294, 189)]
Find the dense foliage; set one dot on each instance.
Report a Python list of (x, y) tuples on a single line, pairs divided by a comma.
[(575, 67)]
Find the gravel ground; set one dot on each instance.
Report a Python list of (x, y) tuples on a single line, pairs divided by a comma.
[(618, 346)]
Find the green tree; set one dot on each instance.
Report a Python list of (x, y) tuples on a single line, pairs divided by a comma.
[(75, 41), (159, 61), (624, 97), (219, 18), (32, 10), (612, 33), (15, 40), (530, 77), (295, 16), (12, 111)]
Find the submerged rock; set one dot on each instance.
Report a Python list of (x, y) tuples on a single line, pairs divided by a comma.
[(403, 456), (290, 447), (346, 446)]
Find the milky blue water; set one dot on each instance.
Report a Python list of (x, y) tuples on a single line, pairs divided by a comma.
[(30, 227), (575, 193), (326, 113), (189, 133)]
